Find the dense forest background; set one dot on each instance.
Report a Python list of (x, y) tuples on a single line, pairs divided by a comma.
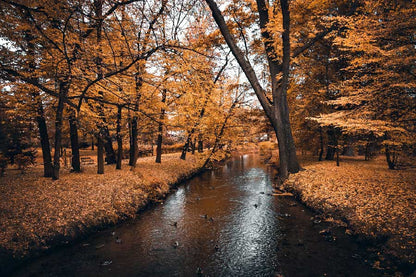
[(330, 77)]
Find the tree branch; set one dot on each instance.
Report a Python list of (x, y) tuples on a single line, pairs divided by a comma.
[(245, 64)]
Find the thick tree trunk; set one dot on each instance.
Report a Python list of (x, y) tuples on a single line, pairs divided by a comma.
[(44, 141), (133, 141), (159, 145), (100, 154), (40, 117), (119, 139), (277, 111), (63, 89), (160, 130), (73, 130), (185, 147), (110, 154)]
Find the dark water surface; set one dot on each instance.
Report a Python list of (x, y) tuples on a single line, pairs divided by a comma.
[(227, 224)]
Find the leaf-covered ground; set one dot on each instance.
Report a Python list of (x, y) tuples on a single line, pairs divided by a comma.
[(37, 212), (373, 200)]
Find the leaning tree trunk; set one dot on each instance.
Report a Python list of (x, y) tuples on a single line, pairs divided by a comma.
[(73, 130), (276, 111), (160, 130)]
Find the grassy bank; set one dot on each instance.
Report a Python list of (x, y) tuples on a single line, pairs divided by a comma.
[(37, 213), (375, 202)]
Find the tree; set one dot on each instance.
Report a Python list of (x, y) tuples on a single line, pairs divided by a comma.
[(275, 108), (376, 96)]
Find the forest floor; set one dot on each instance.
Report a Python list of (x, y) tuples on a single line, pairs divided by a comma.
[(37, 213), (369, 199)]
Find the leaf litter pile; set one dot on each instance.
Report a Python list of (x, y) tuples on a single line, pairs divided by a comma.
[(375, 202), (36, 213)]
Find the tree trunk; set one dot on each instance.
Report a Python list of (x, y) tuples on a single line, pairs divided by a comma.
[(73, 130), (321, 144), (119, 139), (100, 154), (159, 145), (193, 147), (185, 147), (332, 144), (110, 154), (40, 117), (293, 164), (44, 141), (276, 111), (389, 159), (63, 89), (160, 130), (133, 141), (200, 144), (92, 142)]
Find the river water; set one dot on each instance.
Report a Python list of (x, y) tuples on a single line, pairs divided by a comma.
[(224, 222)]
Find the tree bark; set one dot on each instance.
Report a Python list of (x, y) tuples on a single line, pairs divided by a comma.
[(100, 154), (119, 138), (332, 143), (44, 139), (133, 141), (160, 130), (73, 130), (276, 111), (186, 147), (40, 116), (63, 90), (389, 159), (321, 144), (110, 154)]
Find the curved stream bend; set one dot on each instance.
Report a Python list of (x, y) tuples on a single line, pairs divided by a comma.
[(224, 222)]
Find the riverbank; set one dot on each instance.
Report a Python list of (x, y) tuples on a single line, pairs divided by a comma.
[(374, 202), (38, 213)]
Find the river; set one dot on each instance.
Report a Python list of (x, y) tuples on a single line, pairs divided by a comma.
[(224, 222)]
